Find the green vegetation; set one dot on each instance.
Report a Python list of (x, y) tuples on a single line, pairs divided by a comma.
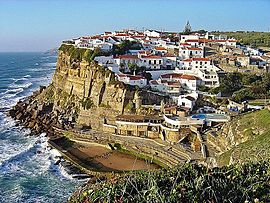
[(77, 54), (187, 183), (65, 142), (105, 106), (124, 46), (255, 128), (256, 39), (87, 103), (244, 86)]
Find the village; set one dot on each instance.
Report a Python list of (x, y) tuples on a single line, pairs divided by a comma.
[(180, 67)]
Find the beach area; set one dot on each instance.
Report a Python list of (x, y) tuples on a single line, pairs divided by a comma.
[(100, 158)]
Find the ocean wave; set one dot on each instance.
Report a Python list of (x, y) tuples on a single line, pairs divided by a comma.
[(49, 64), (10, 93), (23, 85), (19, 79)]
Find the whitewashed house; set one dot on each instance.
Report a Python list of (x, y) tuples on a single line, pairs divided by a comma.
[(183, 38), (152, 33), (134, 80), (151, 62), (189, 52)]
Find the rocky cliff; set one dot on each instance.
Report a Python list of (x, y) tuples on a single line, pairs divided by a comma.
[(82, 93)]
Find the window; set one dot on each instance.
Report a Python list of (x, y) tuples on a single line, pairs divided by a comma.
[(149, 61), (183, 51), (155, 62), (159, 61), (205, 62)]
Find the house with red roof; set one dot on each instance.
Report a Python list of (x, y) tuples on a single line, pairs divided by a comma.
[(187, 101), (191, 52), (160, 50), (193, 63), (184, 38), (152, 62), (134, 80)]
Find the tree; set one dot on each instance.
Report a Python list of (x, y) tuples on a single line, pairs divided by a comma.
[(187, 29), (133, 67), (87, 55)]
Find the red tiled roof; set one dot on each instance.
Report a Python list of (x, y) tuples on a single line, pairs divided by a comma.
[(196, 59), (193, 48), (131, 77), (171, 75), (190, 98), (200, 59), (152, 57), (160, 48), (127, 57), (121, 35), (153, 82), (175, 84), (185, 44), (189, 77), (192, 40)]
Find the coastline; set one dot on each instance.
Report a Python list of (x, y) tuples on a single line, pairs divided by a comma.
[(97, 159)]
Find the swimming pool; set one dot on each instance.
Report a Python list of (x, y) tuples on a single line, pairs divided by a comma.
[(211, 117), (199, 116)]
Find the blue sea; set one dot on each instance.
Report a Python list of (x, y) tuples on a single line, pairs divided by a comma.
[(27, 170)]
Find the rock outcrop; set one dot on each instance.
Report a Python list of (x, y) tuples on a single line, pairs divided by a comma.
[(81, 94)]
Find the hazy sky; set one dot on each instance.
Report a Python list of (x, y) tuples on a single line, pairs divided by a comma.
[(38, 25)]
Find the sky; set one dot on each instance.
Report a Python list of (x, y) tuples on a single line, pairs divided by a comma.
[(39, 25)]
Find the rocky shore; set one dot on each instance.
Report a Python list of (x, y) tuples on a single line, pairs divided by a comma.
[(40, 116)]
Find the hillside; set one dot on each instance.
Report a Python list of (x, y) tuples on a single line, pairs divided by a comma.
[(245, 138), (187, 183), (257, 39)]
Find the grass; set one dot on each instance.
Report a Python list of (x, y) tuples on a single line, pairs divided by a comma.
[(142, 156), (255, 127), (187, 183)]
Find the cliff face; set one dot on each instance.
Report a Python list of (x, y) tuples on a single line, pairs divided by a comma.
[(99, 94), (83, 93)]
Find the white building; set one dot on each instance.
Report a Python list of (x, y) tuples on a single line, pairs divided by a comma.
[(102, 60), (132, 80), (126, 59), (168, 87), (160, 50), (195, 63), (188, 82), (152, 33), (188, 100), (209, 77), (151, 62), (183, 38), (188, 52)]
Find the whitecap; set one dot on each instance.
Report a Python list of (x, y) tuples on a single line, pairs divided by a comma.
[(49, 64), (23, 85)]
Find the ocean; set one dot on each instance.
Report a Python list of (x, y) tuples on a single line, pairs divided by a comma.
[(27, 169)]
